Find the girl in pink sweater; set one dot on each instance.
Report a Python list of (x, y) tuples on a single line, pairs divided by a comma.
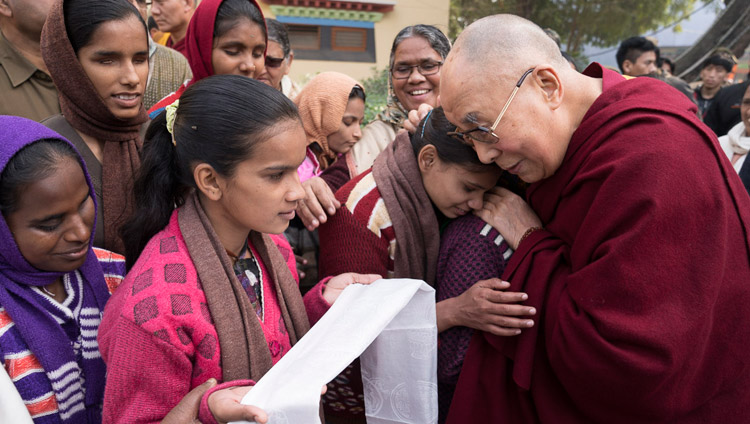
[(209, 295)]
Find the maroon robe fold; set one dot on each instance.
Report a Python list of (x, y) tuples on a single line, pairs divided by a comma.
[(641, 278)]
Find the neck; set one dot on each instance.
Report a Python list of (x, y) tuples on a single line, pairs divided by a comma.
[(29, 48), (232, 237), (709, 93), (178, 34), (584, 95)]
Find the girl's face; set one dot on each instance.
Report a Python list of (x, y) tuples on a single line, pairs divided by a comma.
[(239, 51), (116, 62), (455, 190), (263, 192), (416, 88), (54, 219), (349, 132)]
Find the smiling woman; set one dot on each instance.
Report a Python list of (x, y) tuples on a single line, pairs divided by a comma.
[(97, 55)]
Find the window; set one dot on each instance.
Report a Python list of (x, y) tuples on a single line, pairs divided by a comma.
[(348, 39), (304, 37)]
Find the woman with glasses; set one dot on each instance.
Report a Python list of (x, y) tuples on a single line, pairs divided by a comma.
[(417, 55), (223, 37), (389, 224), (279, 57)]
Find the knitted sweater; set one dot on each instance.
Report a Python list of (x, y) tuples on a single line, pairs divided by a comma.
[(470, 251), (360, 236), (33, 383), (158, 338)]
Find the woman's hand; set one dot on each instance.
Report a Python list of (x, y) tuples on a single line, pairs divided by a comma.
[(509, 214), (318, 201), (337, 284), (187, 410), (486, 307), (415, 117), (225, 406)]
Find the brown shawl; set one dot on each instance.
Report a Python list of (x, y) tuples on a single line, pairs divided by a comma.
[(399, 181), (244, 350), (87, 113)]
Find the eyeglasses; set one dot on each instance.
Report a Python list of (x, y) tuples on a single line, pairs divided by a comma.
[(425, 68), (274, 62), (484, 134)]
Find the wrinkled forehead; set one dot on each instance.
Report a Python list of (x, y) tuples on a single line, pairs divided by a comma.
[(465, 92)]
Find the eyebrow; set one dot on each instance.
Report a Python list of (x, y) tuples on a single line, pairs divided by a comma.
[(478, 186), (59, 215), (280, 168), (470, 118)]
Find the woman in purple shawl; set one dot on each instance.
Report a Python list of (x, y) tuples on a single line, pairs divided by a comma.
[(53, 283)]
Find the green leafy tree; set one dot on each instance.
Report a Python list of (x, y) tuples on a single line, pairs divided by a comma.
[(376, 89), (602, 23)]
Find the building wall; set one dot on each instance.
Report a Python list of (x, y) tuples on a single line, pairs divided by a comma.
[(404, 13)]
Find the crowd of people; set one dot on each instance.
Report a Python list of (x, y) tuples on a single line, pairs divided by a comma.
[(587, 233)]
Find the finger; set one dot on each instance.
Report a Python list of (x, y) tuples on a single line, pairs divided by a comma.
[(365, 278), (502, 331), (300, 259), (307, 218), (187, 409), (510, 322), (510, 310), (423, 110), (326, 198), (493, 283), (313, 203), (505, 297)]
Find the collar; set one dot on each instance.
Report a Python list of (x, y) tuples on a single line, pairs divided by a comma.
[(18, 68)]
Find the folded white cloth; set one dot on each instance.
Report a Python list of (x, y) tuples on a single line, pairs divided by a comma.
[(12, 408), (394, 320)]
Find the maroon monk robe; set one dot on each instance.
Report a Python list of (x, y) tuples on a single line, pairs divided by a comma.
[(641, 278)]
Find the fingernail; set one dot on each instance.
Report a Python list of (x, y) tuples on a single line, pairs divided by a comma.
[(532, 311), (315, 222), (517, 332), (331, 211), (322, 217), (530, 323), (524, 296)]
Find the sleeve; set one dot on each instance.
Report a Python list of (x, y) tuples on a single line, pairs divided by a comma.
[(346, 245), (626, 299), (315, 304), (134, 393), (337, 174)]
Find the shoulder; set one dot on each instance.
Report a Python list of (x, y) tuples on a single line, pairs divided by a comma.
[(163, 284), (470, 234), (113, 265)]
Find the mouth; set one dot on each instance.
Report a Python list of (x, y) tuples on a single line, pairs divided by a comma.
[(287, 215), (75, 254), (513, 169), (127, 100), (460, 211), (420, 92)]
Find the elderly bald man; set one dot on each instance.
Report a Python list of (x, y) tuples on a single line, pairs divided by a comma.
[(633, 246)]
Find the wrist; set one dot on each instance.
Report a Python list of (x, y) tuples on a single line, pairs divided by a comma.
[(527, 233)]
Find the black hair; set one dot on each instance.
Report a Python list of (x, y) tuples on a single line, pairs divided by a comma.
[(438, 41), (32, 163), (719, 60), (433, 130), (668, 61), (232, 11), (278, 32), (220, 121), (83, 17), (152, 24), (632, 48), (358, 92)]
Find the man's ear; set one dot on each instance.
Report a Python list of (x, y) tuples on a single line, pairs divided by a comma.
[(549, 81), (5, 9), (627, 66)]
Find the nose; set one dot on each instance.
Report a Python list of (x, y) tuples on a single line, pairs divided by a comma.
[(476, 201), (129, 75), (260, 66), (415, 77), (486, 153), (357, 133), (79, 231), (296, 192)]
